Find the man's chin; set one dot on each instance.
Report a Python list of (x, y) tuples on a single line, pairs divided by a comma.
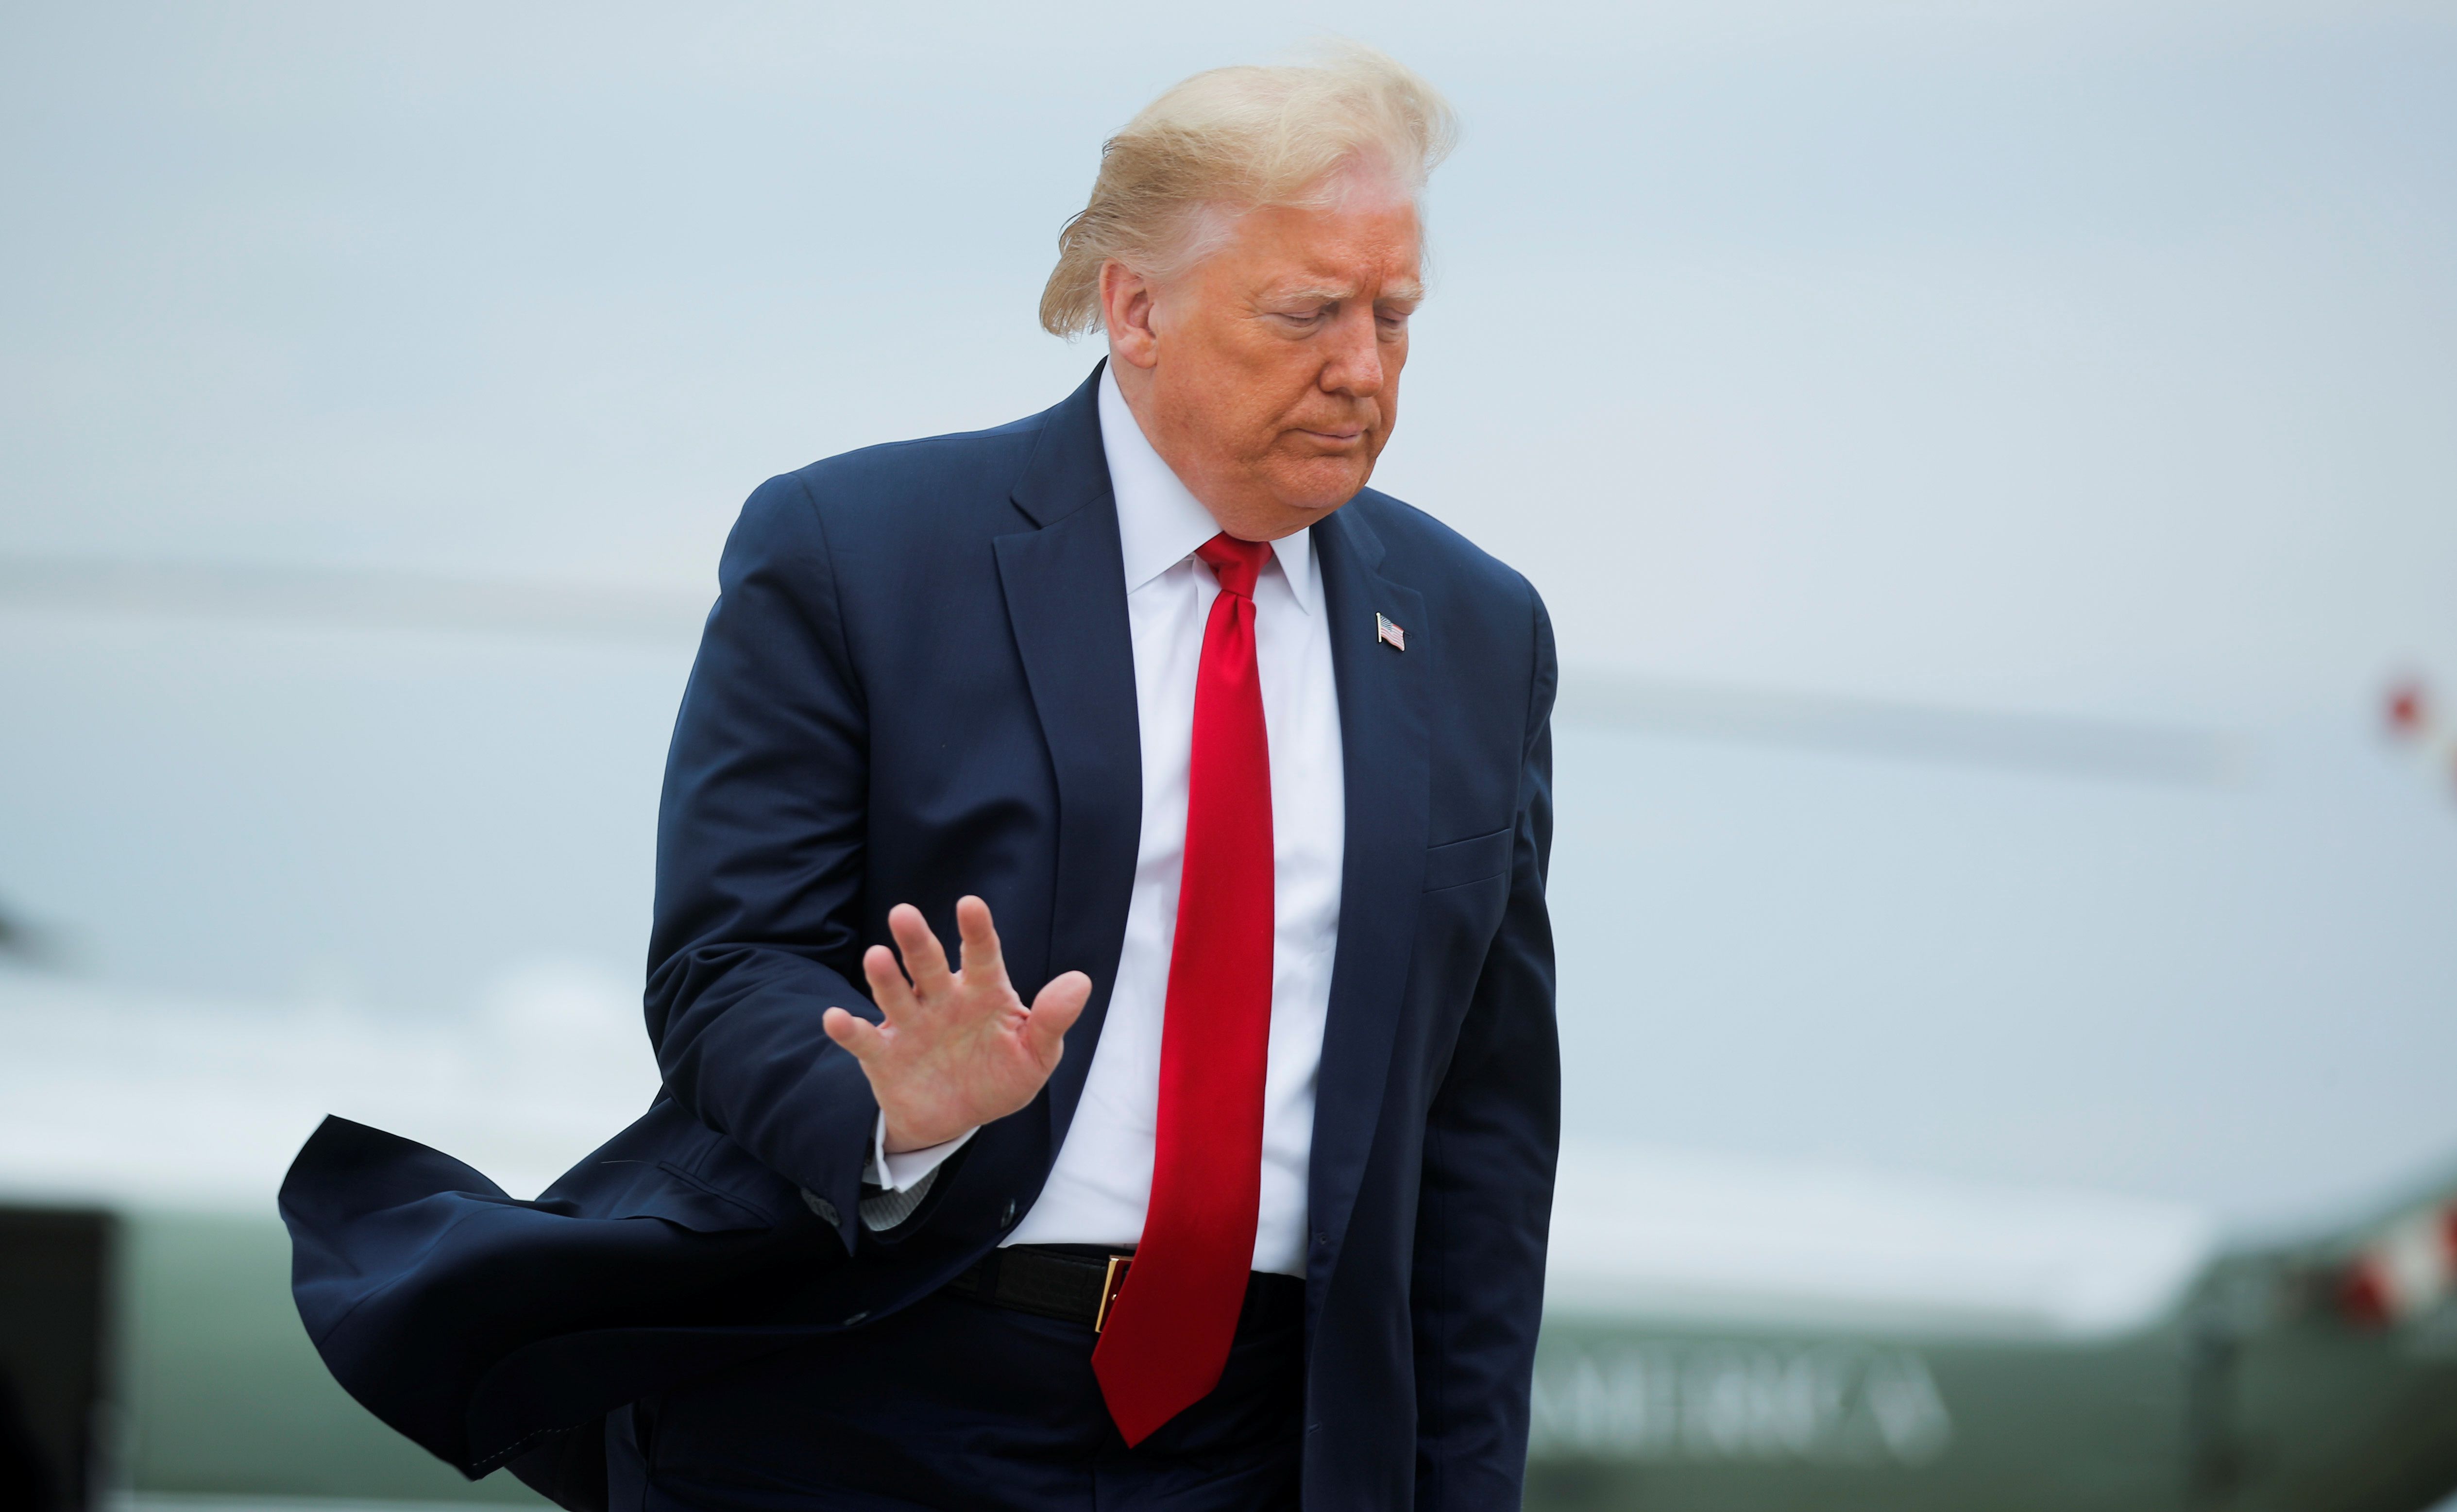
[(1317, 490)]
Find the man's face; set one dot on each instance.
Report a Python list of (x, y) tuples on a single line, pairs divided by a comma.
[(1267, 377)]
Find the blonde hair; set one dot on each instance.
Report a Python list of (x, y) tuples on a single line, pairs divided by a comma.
[(1173, 182)]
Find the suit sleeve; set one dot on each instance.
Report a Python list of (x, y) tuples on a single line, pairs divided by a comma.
[(761, 840), (1491, 1143)]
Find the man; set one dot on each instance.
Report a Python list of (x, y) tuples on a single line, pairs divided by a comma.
[(1213, 1171)]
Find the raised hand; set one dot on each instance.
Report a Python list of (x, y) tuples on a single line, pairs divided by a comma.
[(959, 1047)]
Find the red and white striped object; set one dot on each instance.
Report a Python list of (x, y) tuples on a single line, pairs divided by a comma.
[(2409, 1268)]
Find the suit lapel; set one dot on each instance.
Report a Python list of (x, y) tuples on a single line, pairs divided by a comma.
[(1067, 602), (1385, 763)]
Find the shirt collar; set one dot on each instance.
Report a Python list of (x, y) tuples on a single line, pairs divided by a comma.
[(1159, 521)]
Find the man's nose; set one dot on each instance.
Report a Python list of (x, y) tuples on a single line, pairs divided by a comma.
[(1353, 355)]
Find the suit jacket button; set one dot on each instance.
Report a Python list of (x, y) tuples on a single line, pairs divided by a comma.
[(856, 1318), (1008, 1217)]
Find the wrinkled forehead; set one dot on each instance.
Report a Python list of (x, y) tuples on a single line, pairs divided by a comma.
[(1371, 249)]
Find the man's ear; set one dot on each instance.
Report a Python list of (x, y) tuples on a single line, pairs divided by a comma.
[(1126, 310)]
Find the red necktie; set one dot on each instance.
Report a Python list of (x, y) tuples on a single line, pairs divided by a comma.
[(1166, 1336)]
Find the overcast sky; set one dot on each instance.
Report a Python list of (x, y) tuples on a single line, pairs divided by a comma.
[(2090, 356)]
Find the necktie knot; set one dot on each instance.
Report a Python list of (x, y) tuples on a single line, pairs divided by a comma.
[(1235, 563)]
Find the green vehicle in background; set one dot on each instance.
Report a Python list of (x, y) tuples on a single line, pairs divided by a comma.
[(1996, 1351), (2296, 1376)]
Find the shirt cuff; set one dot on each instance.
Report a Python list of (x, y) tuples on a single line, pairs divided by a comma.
[(907, 1168)]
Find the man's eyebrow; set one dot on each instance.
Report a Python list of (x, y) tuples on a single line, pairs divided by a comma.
[(1406, 290), (1313, 294)]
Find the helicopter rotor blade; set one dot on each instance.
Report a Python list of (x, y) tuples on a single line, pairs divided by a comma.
[(1590, 696)]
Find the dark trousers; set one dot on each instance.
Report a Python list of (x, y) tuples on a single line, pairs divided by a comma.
[(954, 1405)]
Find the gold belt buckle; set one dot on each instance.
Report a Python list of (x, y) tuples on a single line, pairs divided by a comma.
[(1112, 1281)]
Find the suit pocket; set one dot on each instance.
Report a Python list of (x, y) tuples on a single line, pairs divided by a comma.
[(671, 1166), (663, 1190), (1469, 860)]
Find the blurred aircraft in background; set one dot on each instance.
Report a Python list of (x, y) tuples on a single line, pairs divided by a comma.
[(1724, 1330), (1719, 1333)]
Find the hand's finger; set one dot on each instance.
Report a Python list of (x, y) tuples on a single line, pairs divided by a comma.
[(984, 964), (888, 987), (1054, 1011), (925, 959), (856, 1034)]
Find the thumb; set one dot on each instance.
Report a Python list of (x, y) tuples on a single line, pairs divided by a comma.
[(855, 1034), (1054, 1011)]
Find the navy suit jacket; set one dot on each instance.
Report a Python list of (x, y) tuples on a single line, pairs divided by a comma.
[(919, 683)]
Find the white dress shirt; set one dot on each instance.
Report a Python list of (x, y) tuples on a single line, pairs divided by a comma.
[(1100, 1184)]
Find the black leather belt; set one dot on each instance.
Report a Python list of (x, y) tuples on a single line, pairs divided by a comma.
[(1074, 1283)]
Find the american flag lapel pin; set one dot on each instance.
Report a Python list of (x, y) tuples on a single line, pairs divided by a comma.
[(1389, 634)]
